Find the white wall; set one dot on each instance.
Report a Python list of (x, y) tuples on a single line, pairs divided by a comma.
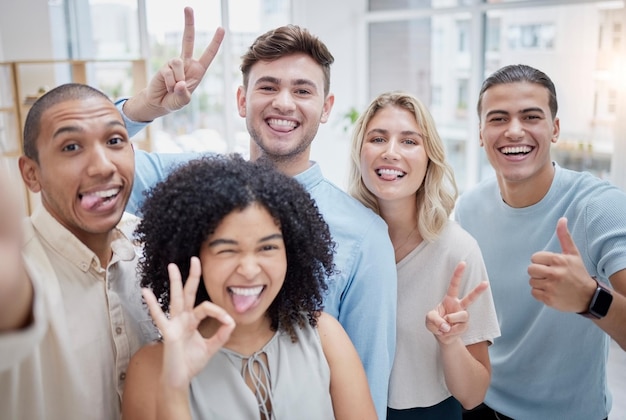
[(25, 30)]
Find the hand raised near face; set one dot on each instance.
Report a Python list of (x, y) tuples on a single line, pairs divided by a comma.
[(171, 87), (450, 318), (560, 280), (186, 351)]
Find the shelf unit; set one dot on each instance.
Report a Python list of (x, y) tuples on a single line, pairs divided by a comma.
[(21, 82)]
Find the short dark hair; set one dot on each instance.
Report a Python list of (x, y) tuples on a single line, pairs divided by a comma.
[(61, 93), (182, 211), (520, 73), (284, 41)]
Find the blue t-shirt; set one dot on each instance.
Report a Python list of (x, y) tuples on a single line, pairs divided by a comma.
[(547, 364)]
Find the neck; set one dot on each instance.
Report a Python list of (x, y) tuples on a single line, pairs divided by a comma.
[(288, 165), (525, 193), (101, 246), (401, 218)]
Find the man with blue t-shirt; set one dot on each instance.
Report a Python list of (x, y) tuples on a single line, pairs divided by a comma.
[(554, 243)]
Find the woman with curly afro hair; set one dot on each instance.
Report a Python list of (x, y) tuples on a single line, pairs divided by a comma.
[(235, 260)]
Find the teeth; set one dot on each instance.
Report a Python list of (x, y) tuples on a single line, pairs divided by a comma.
[(246, 291), (105, 193), (517, 149), (390, 172), (283, 123)]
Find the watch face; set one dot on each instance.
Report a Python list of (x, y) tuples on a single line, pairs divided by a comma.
[(601, 302)]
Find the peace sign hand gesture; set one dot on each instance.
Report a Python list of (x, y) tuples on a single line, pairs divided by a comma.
[(186, 351), (171, 87), (449, 319)]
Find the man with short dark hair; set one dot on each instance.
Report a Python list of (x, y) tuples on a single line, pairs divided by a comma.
[(554, 244)]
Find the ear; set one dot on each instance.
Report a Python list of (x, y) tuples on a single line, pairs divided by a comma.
[(556, 130), (328, 106), (241, 101), (480, 136), (29, 169)]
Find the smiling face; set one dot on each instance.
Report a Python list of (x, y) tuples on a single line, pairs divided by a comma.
[(393, 157), (516, 130), (85, 166), (284, 104), (244, 264)]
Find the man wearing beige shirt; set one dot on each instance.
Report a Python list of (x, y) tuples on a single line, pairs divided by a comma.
[(70, 308)]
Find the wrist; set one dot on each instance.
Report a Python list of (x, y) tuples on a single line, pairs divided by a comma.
[(138, 109), (599, 302)]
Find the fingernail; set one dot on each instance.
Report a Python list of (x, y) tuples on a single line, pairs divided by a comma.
[(444, 328), (227, 319)]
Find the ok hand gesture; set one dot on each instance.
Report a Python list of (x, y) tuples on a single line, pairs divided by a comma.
[(186, 351), (449, 319)]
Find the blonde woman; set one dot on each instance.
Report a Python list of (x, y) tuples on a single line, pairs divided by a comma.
[(398, 169)]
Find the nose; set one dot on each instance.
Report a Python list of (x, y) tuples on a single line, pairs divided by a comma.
[(248, 266), (100, 163), (515, 130), (283, 101), (391, 151)]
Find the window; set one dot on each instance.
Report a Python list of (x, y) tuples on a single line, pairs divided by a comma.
[(463, 31), (463, 95), (527, 36), (433, 57)]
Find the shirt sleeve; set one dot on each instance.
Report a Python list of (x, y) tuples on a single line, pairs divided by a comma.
[(368, 311), (151, 168), (17, 345), (133, 127)]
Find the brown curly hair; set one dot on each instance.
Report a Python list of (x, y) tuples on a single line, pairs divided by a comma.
[(181, 212)]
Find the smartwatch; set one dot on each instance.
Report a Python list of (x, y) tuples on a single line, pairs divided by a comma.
[(600, 302)]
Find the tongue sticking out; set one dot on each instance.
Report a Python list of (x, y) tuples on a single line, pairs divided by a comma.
[(283, 127), (388, 177), (89, 202), (243, 303)]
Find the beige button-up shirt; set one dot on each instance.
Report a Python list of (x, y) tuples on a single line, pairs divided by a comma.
[(101, 325)]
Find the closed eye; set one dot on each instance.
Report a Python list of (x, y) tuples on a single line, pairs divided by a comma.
[(269, 247)]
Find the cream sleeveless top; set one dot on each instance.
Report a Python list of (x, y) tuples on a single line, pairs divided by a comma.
[(297, 373)]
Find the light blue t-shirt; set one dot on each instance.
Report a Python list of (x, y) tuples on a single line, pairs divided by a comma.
[(547, 364), (362, 295)]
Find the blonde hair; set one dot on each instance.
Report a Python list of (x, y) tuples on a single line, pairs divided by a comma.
[(437, 195)]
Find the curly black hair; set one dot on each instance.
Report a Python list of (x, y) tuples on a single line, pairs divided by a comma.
[(181, 212)]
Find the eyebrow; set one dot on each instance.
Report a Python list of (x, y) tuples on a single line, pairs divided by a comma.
[(275, 80), (221, 241), (521, 111), (386, 132), (78, 129)]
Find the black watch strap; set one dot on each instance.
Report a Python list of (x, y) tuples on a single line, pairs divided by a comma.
[(600, 302)]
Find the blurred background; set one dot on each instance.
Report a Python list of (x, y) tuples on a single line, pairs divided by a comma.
[(439, 50)]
